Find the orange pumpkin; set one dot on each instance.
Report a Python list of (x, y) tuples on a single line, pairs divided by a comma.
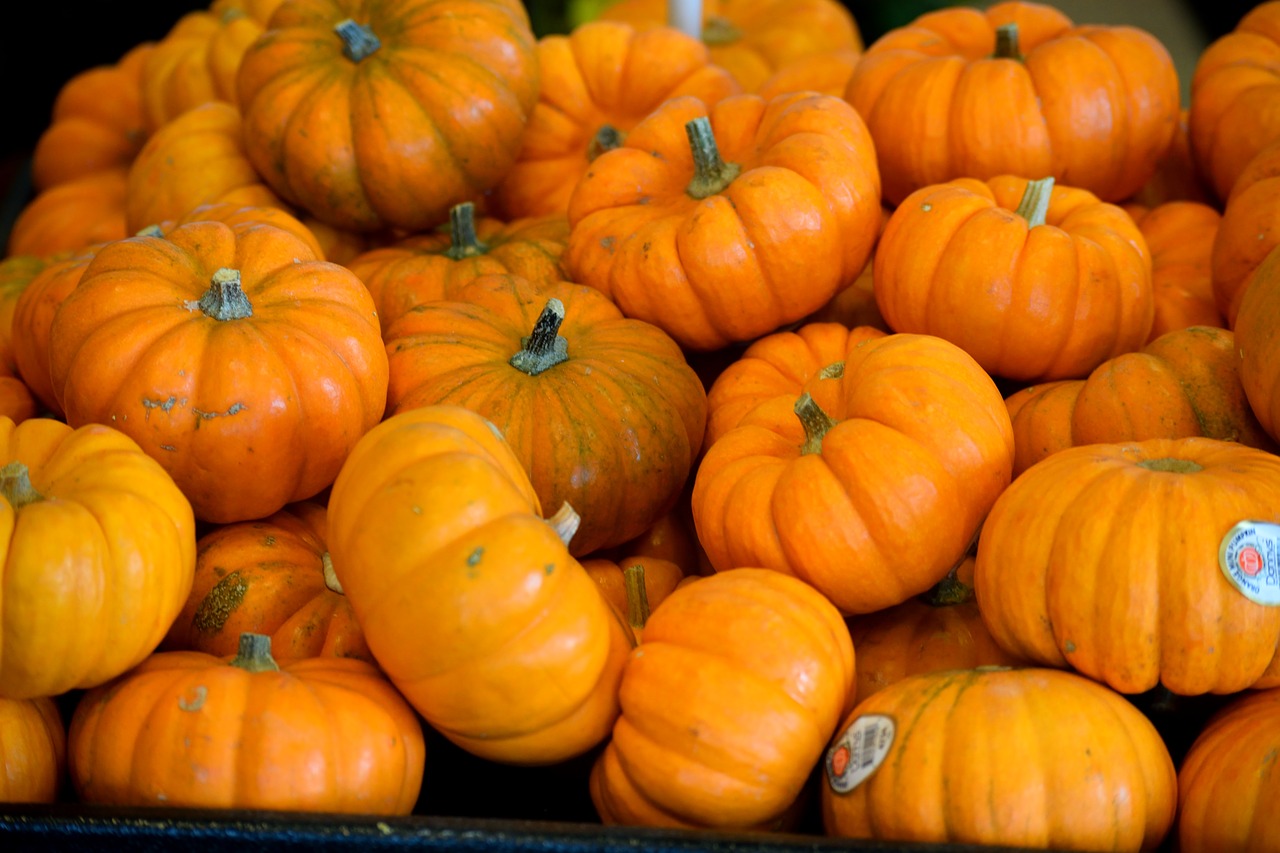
[(598, 82), (33, 750), (1117, 560), (1036, 281), (826, 72), (382, 114), (16, 274), (1020, 758), (1180, 236), (762, 666), (85, 510), (1177, 176), (1249, 229), (875, 500), (244, 365), (470, 601), (270, 577), (719, 224), (1258, 341), (1016, 89), (633, 586), (187, 729), (71, 215)]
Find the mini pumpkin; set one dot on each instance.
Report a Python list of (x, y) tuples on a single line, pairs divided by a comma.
[(33, 750), (71, 215)]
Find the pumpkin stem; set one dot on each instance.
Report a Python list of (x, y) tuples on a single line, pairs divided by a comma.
[(1007, 43), (815, 421), (720, 31), (15, 485), (949, 591), (463, 242), (565, 522), (607, 138), (1035, 201), (330, 576), (710, 174), (637, 596), (834, 370), (358, 41), (1168, 463), (150, 231), (543, 348), (254, 654), (225, 299)]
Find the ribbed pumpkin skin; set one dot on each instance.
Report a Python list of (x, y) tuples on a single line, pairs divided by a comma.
[(1250, 226), (1099, 560), (1258, 342), (1029, 303), (431, 118), (1229, 782), (1180, 236), (1092, 106), (727, 704), (470, 602), (33, 751), (113, 527), (71, 215), (1025, 758), (186, 729), (614, 429)]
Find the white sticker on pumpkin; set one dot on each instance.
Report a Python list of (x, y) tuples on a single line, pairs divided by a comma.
[(1250, 558), (859, 752)]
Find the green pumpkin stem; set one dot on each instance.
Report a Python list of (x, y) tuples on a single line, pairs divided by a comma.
[(15, 485), (710, 174), (543, 349), (330, 576), (637, 596), (225, 299), (1035, 201), (815, 421), (720, 31), (835, 370), (1169, 464), (254, 654), (463, 242), (358, 41), (949, 591), (565, 522), (150, 231), (1007, 46), (607, 138)]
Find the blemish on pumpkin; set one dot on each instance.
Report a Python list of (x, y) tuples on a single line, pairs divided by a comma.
[(417, 510), (1069, 647), (168, 447), (202, 415), (475, 556), (926, 207), (219, 604), (268, 540), (549, 568), (608, 243), (162, 405), (195, 704)]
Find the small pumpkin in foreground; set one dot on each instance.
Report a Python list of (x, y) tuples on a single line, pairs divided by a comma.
[(33, 750)]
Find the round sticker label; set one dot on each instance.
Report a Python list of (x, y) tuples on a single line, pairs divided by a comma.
[(1250, 558), (859, 752)]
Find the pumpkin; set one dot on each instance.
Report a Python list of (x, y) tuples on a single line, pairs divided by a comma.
[(244, 365), (1036, 281), (633, 586), (727, 705), (382, 114), (753, 39), (826, 72), (97, 123), (16, 274), (187, 729), (435, 265), (1248, 231), (1180, 236), (96, 535), (259, 10), (1116, 560), (469, 600), (598, 82), (1019, 758), (271, 577), (33, 750), (939, 630), (856, 304), (1235, 97), (1177, 176), (873, 501), (71, 215), (720, 224), (1185, 383), (1016, 89), (1230, 779), (1258, 341), (602, 411)]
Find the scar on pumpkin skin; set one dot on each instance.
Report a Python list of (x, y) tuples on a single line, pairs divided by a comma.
[(201, 693)]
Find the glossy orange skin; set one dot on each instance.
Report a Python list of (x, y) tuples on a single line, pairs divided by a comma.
[(469, 601), (601, 73), (418, 269), (1038, 303), (246, 414), (398, 138), (97, 122), (71, 215), (186, 729), (267, 577), (826, 72), (33, 751), (726, 705), (1186, 383), (1091, 561), (16, 274), (1258, 341), (1230, 779), (771, 34), (1249, 230), (779, 365), (1235, 97), (922, 442), (1177, 176), (613, 430), (795, 226), (975, 754), (113, 527), (940, 105), (1180, 236)]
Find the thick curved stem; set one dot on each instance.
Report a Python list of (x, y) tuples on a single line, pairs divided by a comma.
[(15, 485), (565, 523), (710, 173), (543, 348), (254, 653), (463, 242), (358, 41), (1035, 201), (330, 576), (637, 596), (225, 299), (949, 591), (815, 421)]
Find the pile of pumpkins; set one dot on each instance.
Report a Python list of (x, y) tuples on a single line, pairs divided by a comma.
[(766, 415)]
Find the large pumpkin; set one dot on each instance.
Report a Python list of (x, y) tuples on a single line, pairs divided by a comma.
[(387, 113), (469, 600)]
